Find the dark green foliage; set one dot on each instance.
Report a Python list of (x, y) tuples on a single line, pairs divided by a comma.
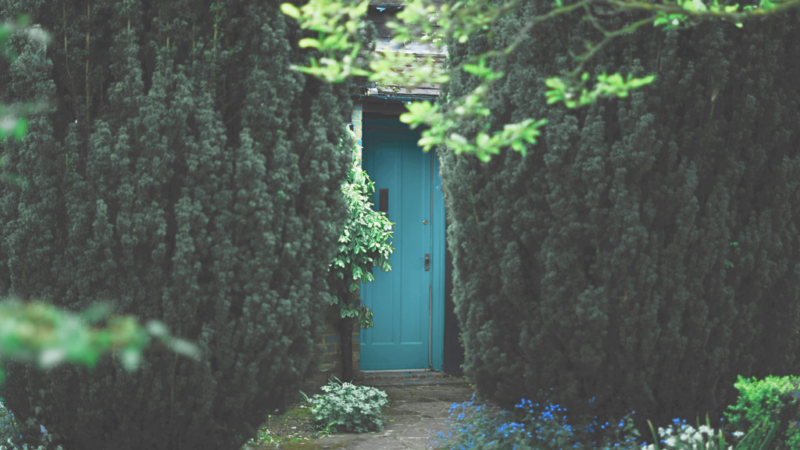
[(188, 174), (646, 251)]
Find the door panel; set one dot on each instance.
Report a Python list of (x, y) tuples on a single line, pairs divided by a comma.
[(400, 298)]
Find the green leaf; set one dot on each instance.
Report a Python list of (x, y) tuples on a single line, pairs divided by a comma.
[(157, 329), (51, 357), (20, 129), (639, 82), (131, 359), (185, 348), (555, 83), (290, 10), (309, 42), (97, 312)]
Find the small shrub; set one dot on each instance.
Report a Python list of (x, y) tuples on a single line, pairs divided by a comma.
[(769, 402), (346, 407)]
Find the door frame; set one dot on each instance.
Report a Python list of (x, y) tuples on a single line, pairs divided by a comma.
[(438, 236)]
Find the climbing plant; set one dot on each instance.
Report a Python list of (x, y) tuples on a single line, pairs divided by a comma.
[(363, 244)]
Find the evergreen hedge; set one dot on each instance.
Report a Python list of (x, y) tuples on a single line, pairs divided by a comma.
[(646, 251), (188, 174)]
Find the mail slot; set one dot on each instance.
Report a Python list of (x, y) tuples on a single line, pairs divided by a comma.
[(383, 201)]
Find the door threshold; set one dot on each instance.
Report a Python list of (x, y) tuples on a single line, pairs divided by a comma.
[(400, 370)]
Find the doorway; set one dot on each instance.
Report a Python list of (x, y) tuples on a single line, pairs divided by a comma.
[(408, 301)]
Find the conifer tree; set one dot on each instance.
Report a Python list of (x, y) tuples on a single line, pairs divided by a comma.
[(190, 175), (645, 252)]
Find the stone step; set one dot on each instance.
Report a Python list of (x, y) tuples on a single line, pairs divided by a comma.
[(394, 375), (419, 378)]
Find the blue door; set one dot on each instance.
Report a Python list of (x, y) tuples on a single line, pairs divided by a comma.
[(408, 301)]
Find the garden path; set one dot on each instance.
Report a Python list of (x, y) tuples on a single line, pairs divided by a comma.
[(418, 407)]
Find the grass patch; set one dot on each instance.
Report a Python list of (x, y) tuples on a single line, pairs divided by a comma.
[(293, 425)]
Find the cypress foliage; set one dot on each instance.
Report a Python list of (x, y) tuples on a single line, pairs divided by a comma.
[(189, 175), (646, 251)]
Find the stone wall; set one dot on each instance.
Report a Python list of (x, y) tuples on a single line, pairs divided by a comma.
[(329, 347)]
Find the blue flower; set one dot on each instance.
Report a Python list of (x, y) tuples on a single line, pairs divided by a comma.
[(677, 421)]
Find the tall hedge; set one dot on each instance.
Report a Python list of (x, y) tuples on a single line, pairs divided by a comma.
[(188, 174), (646, 251)]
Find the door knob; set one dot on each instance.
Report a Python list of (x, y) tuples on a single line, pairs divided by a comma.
[(427, 261)]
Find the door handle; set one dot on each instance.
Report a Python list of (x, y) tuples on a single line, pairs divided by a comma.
[(427, 262)]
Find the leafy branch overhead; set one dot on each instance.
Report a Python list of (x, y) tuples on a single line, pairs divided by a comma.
[(363, 244), (338, 24), (13, 122), (40, 333)]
